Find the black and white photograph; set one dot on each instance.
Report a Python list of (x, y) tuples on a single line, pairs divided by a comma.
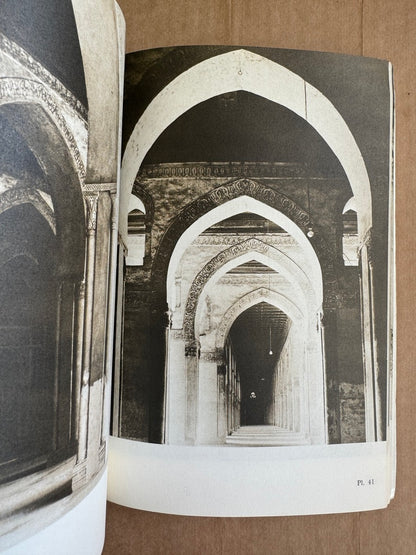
[(256, 207), (58, 230)]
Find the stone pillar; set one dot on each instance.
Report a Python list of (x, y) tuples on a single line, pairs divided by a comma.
[(119, 339), (79, 336), (176, 385), (373, 411), (329, 324), (222, 431), (208, 398), (91, 200), (65, 374), (296, 405), (192, 377), (111, 306), (316, 387)]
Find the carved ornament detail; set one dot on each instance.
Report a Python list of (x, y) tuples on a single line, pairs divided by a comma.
[(209, 270), (223, 239), (91, 200), (216, 356), (214, 198), (235, 310), (20, 195), (17, 89), (19, 54), (192, 349), (219, 169), (219, 196)]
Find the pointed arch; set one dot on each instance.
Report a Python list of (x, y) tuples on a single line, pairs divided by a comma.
[(247, 71), (45, 132), (243, 195), (252, 249), (15, 91), (262, 294), (19, 195)]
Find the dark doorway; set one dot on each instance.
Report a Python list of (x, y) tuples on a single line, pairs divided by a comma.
[(257, 336)]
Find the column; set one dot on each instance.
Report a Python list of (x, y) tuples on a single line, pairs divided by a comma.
[(111, 314), (373, 412), (192, 376), (91, 200), (208, 397), (176, 385)]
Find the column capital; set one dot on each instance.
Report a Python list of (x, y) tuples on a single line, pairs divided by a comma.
[(216, 356), (192, 348), (91, 200)]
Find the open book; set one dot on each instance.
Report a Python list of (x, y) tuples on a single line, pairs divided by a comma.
[(223, 306)]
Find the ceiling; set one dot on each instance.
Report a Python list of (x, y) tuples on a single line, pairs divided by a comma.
[(243, 127)]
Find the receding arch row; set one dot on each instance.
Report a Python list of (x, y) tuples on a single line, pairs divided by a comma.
[(243, 195), (240, 253), (43, 134), (262, 294), (247, 71), (293, 276)]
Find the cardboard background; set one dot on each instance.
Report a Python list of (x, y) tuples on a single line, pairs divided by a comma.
[(377, 28)]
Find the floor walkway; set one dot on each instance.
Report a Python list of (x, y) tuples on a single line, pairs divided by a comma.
[(265, 435)]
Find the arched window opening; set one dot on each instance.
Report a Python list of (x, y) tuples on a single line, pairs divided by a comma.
[(136, 232), (350, 240)]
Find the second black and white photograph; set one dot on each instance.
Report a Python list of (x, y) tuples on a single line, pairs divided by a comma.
[(255, 296)]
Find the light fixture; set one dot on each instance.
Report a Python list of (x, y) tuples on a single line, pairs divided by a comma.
[(310, 233), (270, 340)]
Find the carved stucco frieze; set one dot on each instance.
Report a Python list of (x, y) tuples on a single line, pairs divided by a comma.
[(219, 196), (216, 356), (250, 279), (209, 270), (18, 89), (222, 170), (17, 53), (223, 239), (22, 195), (91, 200), (109, 187)]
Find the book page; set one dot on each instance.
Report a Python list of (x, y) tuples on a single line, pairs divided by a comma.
[(58, 244), (255, 374)]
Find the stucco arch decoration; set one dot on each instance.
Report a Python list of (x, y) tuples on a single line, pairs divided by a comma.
[(29, 92), (237, 254), (247, 301), (19, 195), (230, 200), (194, 316), (247, 71)]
